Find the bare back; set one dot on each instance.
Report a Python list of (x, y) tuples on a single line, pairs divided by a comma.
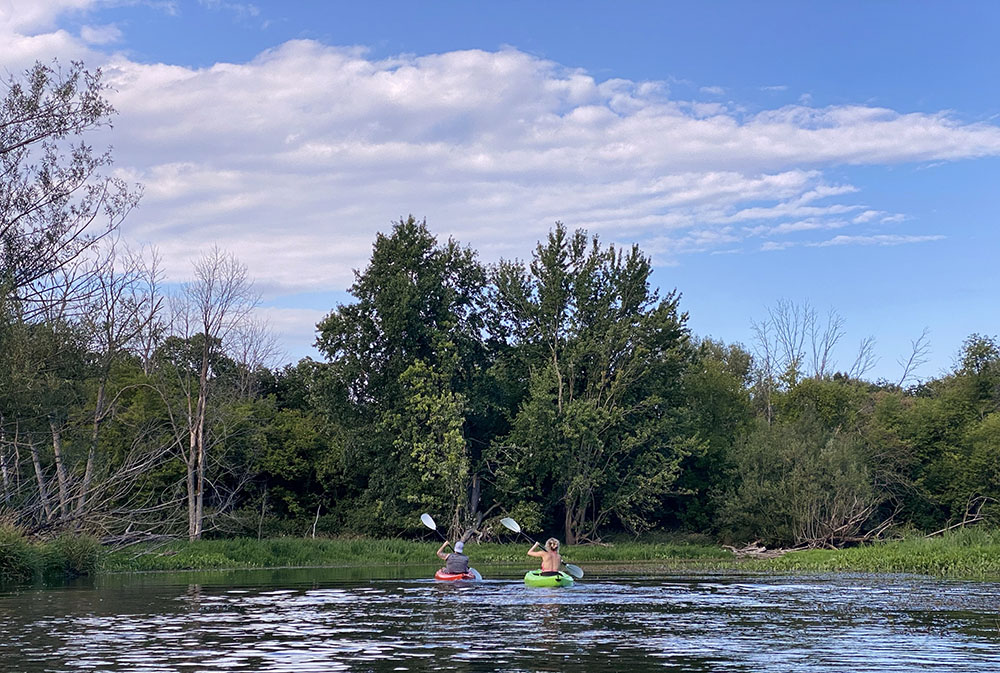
[(551, 560)]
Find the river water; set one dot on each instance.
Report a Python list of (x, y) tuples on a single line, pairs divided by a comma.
[(394, 619)]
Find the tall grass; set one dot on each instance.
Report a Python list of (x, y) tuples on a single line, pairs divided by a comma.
[(963, 553), (282, 552), (960, 553), (20, 561), (24, 560)]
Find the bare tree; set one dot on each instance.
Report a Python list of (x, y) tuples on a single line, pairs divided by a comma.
[(920, 349), (254, 347), (865, 360), (123, 306), (764, 352), (780, 344), (823, 342), (214, 306)]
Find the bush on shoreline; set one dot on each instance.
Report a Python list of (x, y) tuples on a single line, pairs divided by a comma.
[(25, 560)]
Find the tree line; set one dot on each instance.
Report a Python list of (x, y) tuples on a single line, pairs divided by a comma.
[(564, 390)]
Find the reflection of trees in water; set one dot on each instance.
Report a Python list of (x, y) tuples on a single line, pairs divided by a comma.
[(550, 617), (193, 594)]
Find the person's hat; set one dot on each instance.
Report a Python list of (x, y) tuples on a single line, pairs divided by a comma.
[(459, 546)]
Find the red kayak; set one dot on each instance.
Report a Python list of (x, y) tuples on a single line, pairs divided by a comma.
[(445, 576)]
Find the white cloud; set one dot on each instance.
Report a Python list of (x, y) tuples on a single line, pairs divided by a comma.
[(27, 16), (867, 216), (98, 35), (294, 159), (880, 239), (302, 153)]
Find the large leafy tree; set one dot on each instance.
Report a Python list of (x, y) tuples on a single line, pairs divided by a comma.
[(403, 362), (602, 429)]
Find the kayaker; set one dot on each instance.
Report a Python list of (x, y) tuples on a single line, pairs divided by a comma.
[(551, 560), (456, 562)]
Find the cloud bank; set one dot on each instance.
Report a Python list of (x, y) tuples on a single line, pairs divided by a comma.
[(294, 159)]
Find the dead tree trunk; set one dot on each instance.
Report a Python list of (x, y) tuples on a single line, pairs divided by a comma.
[(88, 472), (43, 496), (61, 479)]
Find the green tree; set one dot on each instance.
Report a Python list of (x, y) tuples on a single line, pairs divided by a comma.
[(716, 387), (602, 430), (413, 342), (798, 483)]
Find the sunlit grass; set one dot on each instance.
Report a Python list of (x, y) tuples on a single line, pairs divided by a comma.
[(961, 553), (284, 552)]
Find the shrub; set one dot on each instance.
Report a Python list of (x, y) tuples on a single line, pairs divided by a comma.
[(19, 558), (72, 556)]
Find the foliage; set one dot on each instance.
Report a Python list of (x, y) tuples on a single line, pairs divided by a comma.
[(962, 553), (72, 556), (564, 391), (19, 559), (599, 429), (798, 483), (54, 185), (298, 552), (404, 360)]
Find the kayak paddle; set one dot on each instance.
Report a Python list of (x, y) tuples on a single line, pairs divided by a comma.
[(575, 571), (429, 522)]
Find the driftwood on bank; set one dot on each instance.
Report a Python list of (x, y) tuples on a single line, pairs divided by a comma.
[(755, 550)]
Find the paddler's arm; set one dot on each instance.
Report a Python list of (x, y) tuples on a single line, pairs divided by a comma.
[(532, 552), (440, 551)]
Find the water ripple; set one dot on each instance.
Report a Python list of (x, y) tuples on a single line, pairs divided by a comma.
[(690, 623)]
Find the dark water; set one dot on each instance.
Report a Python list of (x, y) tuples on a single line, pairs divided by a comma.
[(394, 620)]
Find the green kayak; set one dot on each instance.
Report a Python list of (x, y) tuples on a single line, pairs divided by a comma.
[(537, 578)]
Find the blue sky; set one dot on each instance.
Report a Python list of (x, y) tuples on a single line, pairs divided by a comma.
[(841, 154)]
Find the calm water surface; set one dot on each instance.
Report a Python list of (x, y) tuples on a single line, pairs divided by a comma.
[(392, 619)]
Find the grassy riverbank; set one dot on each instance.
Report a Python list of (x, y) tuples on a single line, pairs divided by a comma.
[(962, 553), (971, 553), (280, 552)]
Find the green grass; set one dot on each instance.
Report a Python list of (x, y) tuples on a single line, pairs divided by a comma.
[(283, 552), (963, 553), (24, 560), (970, 553)]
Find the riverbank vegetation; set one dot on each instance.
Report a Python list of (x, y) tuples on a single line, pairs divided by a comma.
[(563, 390), (964, 554), (969, 554)]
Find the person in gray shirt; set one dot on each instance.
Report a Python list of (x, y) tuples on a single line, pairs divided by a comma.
[(456, 562)]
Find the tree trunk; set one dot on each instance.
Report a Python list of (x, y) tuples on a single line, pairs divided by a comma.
[(3, 464), (190, 480), (60, 467), (191, 463), (88, 472), (43, 495), (3, 470), (198, 449)]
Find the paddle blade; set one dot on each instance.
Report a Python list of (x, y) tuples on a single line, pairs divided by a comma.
[(428, 521), (511, 524), (475, 573), (575, 571)]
